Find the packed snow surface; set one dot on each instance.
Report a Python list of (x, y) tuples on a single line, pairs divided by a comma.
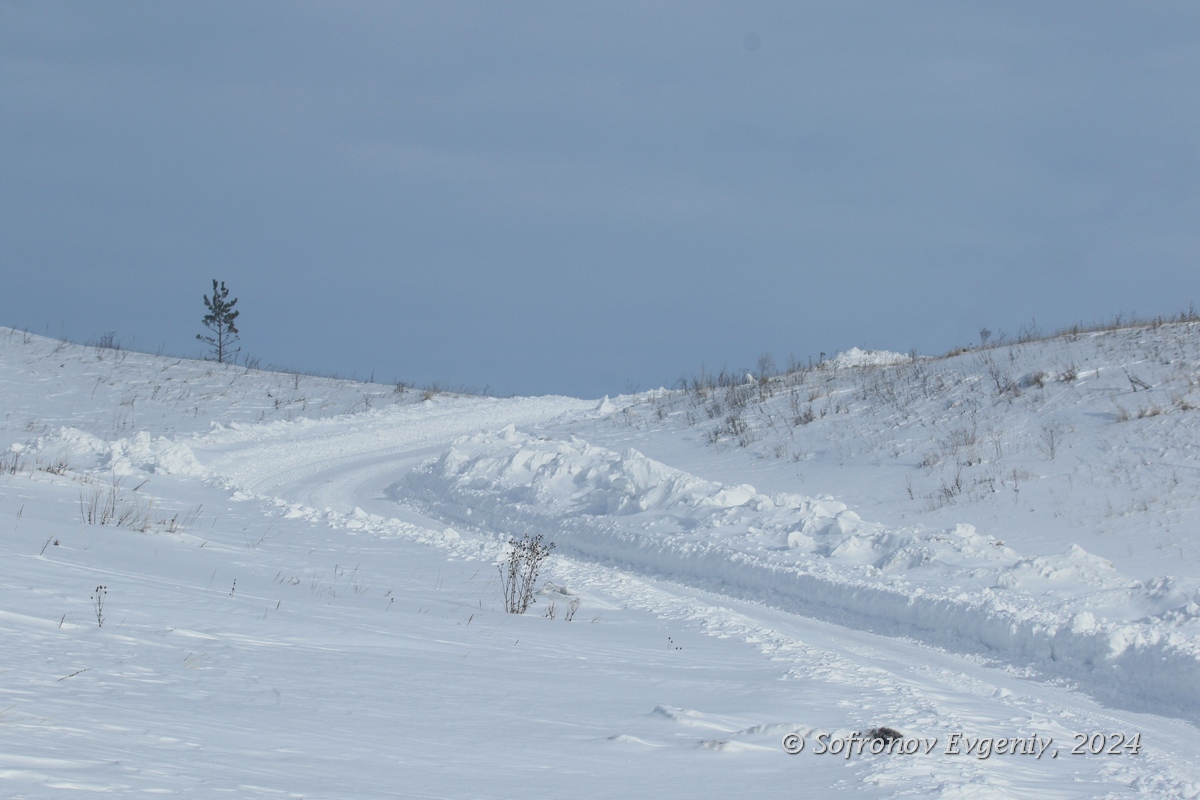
[(222, 581)]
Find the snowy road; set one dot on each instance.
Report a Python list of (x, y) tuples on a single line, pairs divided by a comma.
[(345, 472)]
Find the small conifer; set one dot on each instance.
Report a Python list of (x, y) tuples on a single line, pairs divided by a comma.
[(220, 320)]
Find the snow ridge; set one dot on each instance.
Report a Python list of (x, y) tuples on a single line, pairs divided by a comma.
[(1071, 615)]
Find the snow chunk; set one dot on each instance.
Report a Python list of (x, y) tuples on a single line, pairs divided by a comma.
[(855, 357), (732, 496), (156, 455), (139, 453)]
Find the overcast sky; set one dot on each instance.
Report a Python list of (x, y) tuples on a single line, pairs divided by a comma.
[(587, 198)]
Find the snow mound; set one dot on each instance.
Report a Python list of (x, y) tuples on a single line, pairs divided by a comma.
[(855, 357), (139, 453)]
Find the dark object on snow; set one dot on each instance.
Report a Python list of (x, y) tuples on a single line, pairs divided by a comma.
[(887, 735)]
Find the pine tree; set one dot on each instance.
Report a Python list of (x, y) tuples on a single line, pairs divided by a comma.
[(220, 320)]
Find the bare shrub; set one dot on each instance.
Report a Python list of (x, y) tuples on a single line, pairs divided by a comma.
[(59, 466), (107, 504), (1051, 437), (572, 608), (11, 462), (99, 506), (1149, 411), (1034, 379), (952, 489), (98, 604), (1000, 377), (180, 520), (766, 368), (962, 437), (1137, 383), (518, 574), (804, 417), (1029, 333)]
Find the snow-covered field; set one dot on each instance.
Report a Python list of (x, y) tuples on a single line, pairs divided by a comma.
[(225, 582)]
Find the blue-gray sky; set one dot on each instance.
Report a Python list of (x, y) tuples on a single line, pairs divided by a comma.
[(584, 198)]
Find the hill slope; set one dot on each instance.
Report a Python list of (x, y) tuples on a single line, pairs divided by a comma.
[(229, 581)]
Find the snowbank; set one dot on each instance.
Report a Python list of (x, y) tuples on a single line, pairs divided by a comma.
[(1068, 615), (138, 453), (867, 358)]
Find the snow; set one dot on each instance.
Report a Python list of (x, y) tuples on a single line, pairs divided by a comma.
[(952, 588), (300, 593), (855, 357)]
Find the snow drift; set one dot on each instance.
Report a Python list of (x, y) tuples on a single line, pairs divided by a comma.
[(1070, 615)]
